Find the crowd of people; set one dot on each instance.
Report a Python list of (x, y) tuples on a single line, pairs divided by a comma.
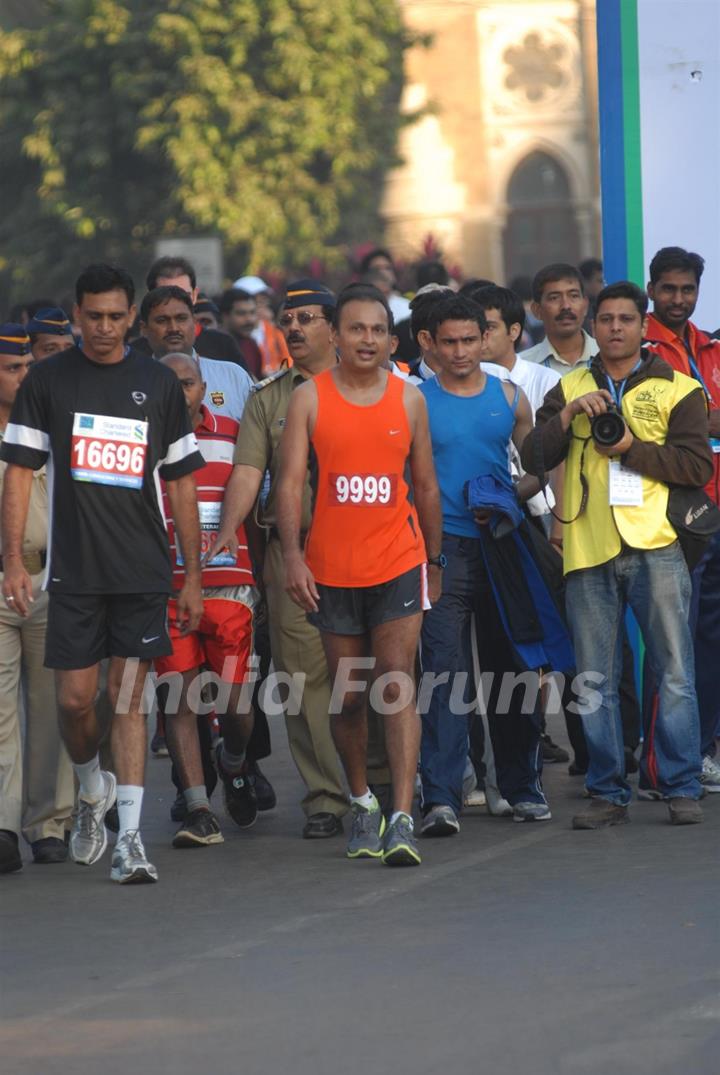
[(412, 525)]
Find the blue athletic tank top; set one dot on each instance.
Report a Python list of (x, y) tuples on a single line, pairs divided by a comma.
[(470, 436)]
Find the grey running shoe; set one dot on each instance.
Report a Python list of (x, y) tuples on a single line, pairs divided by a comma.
[(129, 861), (710, 775), (200, 829), (531, 812), (440, 821), (400, 848), (650, 795), (88, 837), (366, 833)]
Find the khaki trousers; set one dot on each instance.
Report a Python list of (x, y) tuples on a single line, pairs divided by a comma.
[(296, 648), (37, 792)]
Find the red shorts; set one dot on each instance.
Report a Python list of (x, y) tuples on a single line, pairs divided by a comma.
[(222, 641)]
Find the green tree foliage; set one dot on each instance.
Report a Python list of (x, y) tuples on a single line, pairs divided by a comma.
[(265, 122)]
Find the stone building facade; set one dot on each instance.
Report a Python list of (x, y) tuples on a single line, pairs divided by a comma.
[(502, 168)]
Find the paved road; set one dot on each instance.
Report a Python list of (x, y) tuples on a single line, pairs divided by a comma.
[(513, 949)]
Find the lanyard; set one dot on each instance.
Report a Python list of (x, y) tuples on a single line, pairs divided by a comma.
[(697, 374), (617, 393)]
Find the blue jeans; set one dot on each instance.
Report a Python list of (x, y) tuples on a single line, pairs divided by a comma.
[(656, 585), (467, 603)]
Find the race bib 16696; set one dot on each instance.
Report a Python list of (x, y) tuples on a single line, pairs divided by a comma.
[(108, 451)]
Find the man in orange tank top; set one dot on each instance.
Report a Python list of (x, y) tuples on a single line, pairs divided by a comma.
[(363, 576)]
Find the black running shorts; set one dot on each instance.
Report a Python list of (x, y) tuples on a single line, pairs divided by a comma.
[(84, 628), (355, 610)]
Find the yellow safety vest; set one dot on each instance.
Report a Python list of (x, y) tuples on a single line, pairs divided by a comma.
[(597, 535)]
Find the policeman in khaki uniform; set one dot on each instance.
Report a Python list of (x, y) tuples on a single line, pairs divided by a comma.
[(39, 805), (295, 644)]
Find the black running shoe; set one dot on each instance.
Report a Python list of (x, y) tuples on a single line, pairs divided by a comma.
[(239, 794), (265, 792), (200, 829)]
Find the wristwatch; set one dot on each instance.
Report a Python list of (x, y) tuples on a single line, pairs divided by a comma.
[(438, 561)]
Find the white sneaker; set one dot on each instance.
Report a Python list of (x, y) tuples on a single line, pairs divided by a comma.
[(496, 805), (440, 821), (88, 837), (475, 798), (129, 862), (710, 775)]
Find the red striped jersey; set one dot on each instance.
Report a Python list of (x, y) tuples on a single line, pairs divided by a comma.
[(216, 436)]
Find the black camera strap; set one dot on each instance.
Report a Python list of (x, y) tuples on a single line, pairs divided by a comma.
[(542, 477)]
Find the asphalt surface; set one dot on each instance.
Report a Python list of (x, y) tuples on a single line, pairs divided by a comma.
[(512, 949)]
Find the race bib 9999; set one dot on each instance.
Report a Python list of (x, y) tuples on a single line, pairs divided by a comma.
[(379, 490)]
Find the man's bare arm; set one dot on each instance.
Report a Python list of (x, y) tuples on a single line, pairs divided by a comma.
[(241, 492), (528, 485), (182, 495), (425, 487), (294, 452), (17, 484), (17, 584)]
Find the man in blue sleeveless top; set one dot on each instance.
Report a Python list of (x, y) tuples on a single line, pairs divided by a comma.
[(473, 417)]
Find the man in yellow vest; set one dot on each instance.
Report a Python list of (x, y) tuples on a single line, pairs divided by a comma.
[(620, 548)]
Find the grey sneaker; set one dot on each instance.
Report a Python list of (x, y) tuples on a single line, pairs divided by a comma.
[(440, 821), (88, 836), (400, 848), (651, 795), (129, 862), (366, 832), (710, 775), (531, 812)]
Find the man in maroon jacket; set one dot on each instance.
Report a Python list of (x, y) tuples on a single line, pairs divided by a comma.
[(674, 285)]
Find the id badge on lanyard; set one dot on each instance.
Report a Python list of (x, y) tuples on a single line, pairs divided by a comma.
[(714, 441)]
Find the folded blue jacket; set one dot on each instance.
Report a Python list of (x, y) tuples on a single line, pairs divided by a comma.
[(487, 493)]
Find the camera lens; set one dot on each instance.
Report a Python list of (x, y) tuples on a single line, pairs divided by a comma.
[(607, 429)]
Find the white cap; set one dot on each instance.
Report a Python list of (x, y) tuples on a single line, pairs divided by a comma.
[(252, 284)]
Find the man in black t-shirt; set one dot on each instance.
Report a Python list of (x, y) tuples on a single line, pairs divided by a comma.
[(109, 423)]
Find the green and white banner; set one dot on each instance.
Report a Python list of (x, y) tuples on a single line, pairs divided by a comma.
[(659, 80)]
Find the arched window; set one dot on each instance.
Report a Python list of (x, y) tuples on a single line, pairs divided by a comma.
[(541, 225)]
